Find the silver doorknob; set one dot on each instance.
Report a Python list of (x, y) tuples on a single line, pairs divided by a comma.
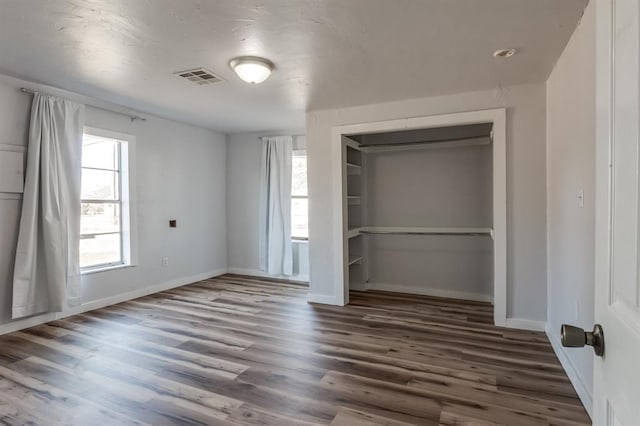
[(576, 337)]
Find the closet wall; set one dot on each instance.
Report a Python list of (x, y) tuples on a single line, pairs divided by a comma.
[(525, 180), (425, 185)]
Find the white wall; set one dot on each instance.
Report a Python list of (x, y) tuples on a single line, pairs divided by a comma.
[(14, 129), (444, 187), (570, 168), (243, 199), (526, 204), (180, 172)]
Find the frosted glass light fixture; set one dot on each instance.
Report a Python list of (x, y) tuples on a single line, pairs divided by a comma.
[(252, 69)]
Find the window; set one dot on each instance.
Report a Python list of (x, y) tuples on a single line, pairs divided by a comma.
[(104, 224), (299, 197)]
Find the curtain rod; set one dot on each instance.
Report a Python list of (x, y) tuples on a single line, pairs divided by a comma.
[(131, 117), (273, 136)]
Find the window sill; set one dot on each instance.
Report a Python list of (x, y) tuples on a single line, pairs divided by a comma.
[(300, 240), (105, 269)]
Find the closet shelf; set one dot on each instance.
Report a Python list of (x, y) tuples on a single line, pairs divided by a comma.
[(350, 143), (415, 230), (353, 199), (456, 143), (354, 259), (353, 232), (353, 169)]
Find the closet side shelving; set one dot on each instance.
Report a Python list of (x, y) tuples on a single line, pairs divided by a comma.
[(354, 205)]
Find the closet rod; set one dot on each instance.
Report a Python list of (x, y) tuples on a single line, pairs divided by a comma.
[(131, 117), (425, 142)]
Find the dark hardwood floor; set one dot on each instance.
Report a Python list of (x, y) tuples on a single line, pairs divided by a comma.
[(242, 351)]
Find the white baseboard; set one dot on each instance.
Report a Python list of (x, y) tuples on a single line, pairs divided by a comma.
[(526, 324), (257, 273), (584, 393), (426, 291), (322, 299), (107, 301)]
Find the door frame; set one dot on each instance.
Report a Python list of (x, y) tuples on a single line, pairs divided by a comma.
[(603, 165), (619, 319), (495, 116)]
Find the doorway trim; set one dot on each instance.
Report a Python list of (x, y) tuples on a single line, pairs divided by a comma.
[(495, 116)]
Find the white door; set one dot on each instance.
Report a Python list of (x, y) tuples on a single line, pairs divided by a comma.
[(617, 287)]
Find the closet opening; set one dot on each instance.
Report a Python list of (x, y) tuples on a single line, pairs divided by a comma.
[(423, 205)]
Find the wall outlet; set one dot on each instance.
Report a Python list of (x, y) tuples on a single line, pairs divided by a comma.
[(165, 262)]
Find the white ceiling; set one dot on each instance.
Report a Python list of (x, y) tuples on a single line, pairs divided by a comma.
[(328, 53)]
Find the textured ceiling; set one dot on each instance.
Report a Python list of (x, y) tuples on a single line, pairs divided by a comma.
[(328, 53)]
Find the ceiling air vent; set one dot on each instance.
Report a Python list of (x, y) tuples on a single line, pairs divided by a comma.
[(199, 76)]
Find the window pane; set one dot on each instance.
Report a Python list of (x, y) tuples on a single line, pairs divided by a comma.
[(99, 152), (299, 175), (99, 185), (99, 218), (100, 250), (299, 218)]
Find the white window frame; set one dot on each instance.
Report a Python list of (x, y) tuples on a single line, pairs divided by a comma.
[(302, 152), (128, 212)]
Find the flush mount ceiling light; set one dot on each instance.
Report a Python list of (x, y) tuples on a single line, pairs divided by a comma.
[(252, 69), (504, 53)]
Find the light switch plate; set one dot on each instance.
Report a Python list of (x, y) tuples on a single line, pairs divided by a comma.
[(581, 198)]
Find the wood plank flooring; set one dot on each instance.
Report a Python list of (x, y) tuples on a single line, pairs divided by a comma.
[(243, 351)]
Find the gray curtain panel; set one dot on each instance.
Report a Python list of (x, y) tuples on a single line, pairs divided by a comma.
[(47, 273), (276, 256)]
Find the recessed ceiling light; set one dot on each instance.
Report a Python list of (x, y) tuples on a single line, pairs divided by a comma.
[(252, 69), (504, 53)]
